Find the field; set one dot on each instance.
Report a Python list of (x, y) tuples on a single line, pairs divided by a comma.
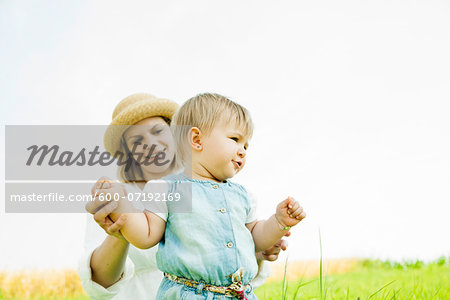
[(341, 279), (365, 279)]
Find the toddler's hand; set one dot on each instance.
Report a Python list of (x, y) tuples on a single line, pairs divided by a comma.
[(289, 213), (101, 209), (111, 193)]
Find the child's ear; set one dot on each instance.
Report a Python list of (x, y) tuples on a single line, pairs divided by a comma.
[(195, 138)]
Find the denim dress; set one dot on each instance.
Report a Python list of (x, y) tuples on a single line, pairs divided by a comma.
[(209, 243)]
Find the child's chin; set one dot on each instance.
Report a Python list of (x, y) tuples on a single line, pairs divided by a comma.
[(231, 175)]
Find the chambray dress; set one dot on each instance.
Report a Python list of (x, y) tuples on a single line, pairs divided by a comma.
[(209, 243)]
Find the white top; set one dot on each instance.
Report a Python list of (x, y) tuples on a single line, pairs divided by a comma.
[(141, 278)]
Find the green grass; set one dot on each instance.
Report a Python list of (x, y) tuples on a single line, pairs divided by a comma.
[(371, 279)]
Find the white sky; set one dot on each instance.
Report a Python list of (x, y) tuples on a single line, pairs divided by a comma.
[(350, 101)]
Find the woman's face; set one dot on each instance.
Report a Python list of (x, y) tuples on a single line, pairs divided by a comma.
[(151, 143)]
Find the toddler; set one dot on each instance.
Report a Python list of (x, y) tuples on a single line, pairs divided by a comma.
[(208, 253)]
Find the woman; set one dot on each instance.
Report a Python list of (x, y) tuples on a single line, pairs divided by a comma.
[(114, 269)]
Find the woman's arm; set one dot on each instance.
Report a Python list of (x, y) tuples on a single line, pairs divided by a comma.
[(107, 260), (94, 237)]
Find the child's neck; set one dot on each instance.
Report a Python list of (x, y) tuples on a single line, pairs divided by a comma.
[(200, 173)]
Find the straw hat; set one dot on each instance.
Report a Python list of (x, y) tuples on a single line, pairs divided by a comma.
[(131, 110)]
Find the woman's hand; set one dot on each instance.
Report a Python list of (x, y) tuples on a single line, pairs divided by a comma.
[(272, 253), (110, 227), (101, 208)]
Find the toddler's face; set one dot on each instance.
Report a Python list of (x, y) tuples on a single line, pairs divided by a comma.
[(224, 150)]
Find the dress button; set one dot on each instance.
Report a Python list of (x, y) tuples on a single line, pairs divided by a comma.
[(223, 210), (230, 244), (215, 186)]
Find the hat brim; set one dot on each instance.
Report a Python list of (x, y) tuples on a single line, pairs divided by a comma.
[(132, 114)]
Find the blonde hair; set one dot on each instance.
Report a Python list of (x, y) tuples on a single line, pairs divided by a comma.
[(204, 111), (132, 172)]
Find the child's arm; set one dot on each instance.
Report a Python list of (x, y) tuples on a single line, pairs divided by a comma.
[(266, 233), (272, 253), (142, 229)]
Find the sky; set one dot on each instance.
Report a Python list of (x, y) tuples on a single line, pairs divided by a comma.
[(350, 102)]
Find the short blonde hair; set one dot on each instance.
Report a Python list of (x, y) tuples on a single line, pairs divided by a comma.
[(204, 111)]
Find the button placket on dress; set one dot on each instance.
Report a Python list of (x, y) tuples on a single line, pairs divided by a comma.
[(231, 243), (223, 210), (223, 206)]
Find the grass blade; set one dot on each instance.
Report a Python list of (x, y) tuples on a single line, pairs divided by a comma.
[(380, 289), (284, 286), (320, 267), (299, 286)]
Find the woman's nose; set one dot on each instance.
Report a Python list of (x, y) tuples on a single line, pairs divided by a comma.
[(145, 144), (150, 140)]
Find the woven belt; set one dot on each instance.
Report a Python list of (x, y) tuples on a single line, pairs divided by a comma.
[(236, 289)]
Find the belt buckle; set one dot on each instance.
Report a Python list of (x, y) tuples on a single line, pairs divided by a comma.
[(237, 287)]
